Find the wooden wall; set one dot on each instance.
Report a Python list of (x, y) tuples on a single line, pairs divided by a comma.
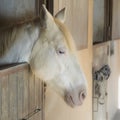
[(114, 62), (100, 58), (76, 19), (112, 111), (21, 94), (108, 53)]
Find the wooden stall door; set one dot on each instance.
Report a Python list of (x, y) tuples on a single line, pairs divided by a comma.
[(79, 21), (100, 59), (21, 94), (108, 53), (114, 81), (112, 110)]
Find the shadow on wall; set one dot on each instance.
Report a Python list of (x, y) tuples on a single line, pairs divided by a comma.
[(117, 115)]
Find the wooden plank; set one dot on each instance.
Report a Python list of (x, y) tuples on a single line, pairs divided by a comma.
[(38, 100), (26, 92), (13, 96), (43, 99), (22, 92), (38, 93), (20, 95), (56, 6), (100, 58), (5, 98), (12, 68), (31, 93)]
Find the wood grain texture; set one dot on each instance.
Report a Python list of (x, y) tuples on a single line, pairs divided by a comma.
[(5, 98), (31, 105), (26, 91), (20, 94), (113, 83), (100, 58), (76, 19), (13, 96)]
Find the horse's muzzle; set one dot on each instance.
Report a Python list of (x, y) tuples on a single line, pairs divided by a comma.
[(75, 99)]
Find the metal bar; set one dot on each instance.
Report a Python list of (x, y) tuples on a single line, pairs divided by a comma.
[(31, 114)]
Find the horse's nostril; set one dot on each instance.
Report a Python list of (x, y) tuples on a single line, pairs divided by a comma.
[(75, 99), (82, 95), (69, 99)]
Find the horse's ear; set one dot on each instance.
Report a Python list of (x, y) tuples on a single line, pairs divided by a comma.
[(61, 15), (45, 16)]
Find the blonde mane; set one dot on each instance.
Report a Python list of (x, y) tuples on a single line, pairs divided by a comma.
[(68, 37)]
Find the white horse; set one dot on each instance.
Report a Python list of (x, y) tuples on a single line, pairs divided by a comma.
[(46, 44)]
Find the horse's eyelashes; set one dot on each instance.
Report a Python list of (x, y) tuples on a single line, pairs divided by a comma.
[(61, 51)]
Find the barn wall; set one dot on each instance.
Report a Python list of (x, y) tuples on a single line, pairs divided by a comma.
[(113, 59), (21, 94), (100, 58), (108, 53), (76, 17), (111, 109), (114, 62), (55, 108)]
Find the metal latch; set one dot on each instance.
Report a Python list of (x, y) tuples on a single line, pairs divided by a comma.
[(31, 114)]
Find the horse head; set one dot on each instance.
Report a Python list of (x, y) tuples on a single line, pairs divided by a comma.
[(54, 59)]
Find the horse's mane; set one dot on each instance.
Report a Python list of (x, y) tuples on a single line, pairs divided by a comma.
[(8, 34), (68, 36)]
